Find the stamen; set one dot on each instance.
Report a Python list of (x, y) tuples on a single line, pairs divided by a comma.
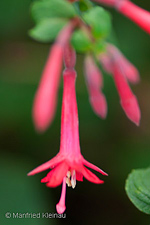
[(60, 207), (73, 179), (69, 174), (68, 182)]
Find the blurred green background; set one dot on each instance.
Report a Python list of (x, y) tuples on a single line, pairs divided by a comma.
[(115, 144)]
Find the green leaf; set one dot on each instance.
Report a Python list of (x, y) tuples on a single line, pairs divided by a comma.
[(99, 47), (47, 30), (84, 5), (138, 189), (44, 9), (99, 20), (81, 41)]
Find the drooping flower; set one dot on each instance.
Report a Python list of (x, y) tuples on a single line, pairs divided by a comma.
[(129, 70), (113, 62), (68, 165), (138, 15), (128, 100), (94, 82), (46, 96)]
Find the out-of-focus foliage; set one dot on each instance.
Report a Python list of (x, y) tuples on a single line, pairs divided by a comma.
[(50, 17), (48, 29), (99, 20), (46, 9), (81, 41)]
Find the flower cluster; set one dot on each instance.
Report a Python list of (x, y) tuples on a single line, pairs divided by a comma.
[(69, 165)]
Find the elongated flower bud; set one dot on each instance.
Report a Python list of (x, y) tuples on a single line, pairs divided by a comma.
[(106, 62), (94, 84), (138, 15), (46, 97), (128, 102), (129, 70)]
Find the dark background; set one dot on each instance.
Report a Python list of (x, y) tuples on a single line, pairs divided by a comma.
[(116, 145)]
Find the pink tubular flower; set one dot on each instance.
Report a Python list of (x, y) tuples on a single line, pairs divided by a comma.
[(46, 95), (105, 61), (138, 15), (114, 62), (94, 84), (128, 101), (68, 165), (129, 70)]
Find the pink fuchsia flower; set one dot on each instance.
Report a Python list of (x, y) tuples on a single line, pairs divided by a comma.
[(106, 62), (129, 70), (138, 15), (94, 82), (128, 102), (46, 96), (68, 165), (115, 63)]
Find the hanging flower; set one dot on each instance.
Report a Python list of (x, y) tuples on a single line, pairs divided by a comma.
[(129, 70), (115, 63), (94, 81), (69, 165)]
